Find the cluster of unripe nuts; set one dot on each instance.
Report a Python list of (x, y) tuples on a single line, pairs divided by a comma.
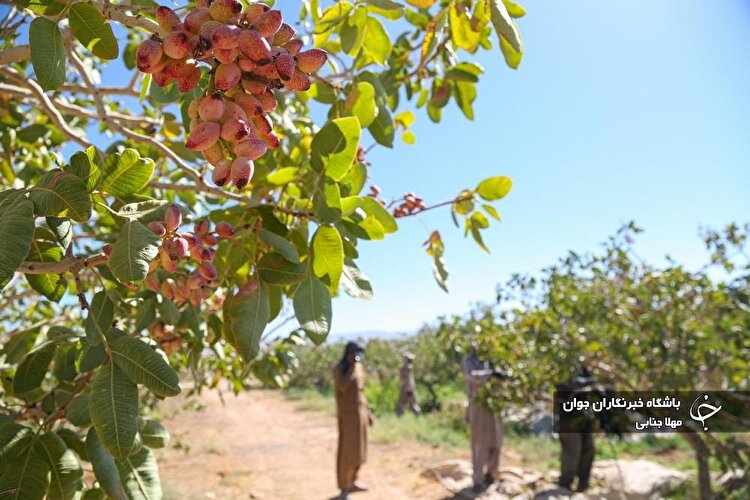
[(197, 247), (251, 53), (410, 204)]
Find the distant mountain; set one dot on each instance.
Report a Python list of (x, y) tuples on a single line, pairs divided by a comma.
[(376, 334)]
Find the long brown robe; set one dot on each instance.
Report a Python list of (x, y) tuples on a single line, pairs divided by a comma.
[(486, 428), (354, 422)]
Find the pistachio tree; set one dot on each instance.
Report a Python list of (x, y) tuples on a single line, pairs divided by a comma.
[(152, 230)]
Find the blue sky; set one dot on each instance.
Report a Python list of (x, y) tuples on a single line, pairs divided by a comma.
[(620, 110)]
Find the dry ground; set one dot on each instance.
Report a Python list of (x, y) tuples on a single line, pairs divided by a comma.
[(259, 445)]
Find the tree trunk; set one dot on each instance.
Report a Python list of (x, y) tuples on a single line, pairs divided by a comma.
[(702, 454)]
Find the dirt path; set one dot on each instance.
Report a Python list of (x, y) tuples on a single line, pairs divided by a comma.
[(259, 445)]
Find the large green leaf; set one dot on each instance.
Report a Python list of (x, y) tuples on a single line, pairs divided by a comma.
[(494, 188), (113, 405), (105, 467), (61, 194), (33, 368), (153, 434), (16, 234), (328, 256), (26, 474), (145, 366), (65, 471), (100, 317), (354, 282), (377, 43), (139, 474), (87, 165), (274, 269), (312, 306), (11, 439), (47, 53), (334, 147), (62, 229), (372, 207), (78, 410), (245, 318), (382, 128), (361, 103), (135, 247), (93, 31), (52, 286), (126, 173)]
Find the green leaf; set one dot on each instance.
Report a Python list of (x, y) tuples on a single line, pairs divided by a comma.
[(492, 211), (327, 202), (140, 476), (409, 138), (12, 437), (274, 269), (507, 32), (354, 281), (126, 173), (47, 53), (334, 147), (62, 229), (113, 405), (135, 247), (105, 467), (65, 470), (494, 188), (143, 365), (153, 434), (139, 209), (145, 86), (328, 256), (280, 244), (312, 306), (100, 317), (382, 128), (245, 318), (17, 346), (92, 356), (353, 32), (93, 31), (16, 234), (514, 9), (33, 368), (52, 286), (377, 43), (372, 207), (78, 410), (26, 475), (282, 176), (88, 166), (61, 194), (462, 32), (361, 103)]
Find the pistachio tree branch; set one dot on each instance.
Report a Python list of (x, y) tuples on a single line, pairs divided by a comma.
[(15, 54), (68, 263), (47, 105)]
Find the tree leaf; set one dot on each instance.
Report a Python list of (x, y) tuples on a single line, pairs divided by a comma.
[(354, 281), (371, 206), (328, 256), (93, 31), (126, 173), (494, 188), (61, 194), (153, 434), (26, 475), (312, 306), (506, 31), (100, 317), (88, 166), (65, 470), (361, 103), (280, 244), (33, 368), (145, 366), (139, 475), (78, 410), (11, 439), (113, 405), (105, 467), (382, 128), (47, 53), (52, 286), (334, 147), (274, 269), (245, 318), (377, 42), (16, 233), (135, 247), (62, 229)]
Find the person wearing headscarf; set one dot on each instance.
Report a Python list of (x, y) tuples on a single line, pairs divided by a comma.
[(408, 395), (354, 418), (486, 427)]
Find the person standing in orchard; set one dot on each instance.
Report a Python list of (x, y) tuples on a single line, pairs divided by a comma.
[(354, 418), (486, 427), (408, 394)]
